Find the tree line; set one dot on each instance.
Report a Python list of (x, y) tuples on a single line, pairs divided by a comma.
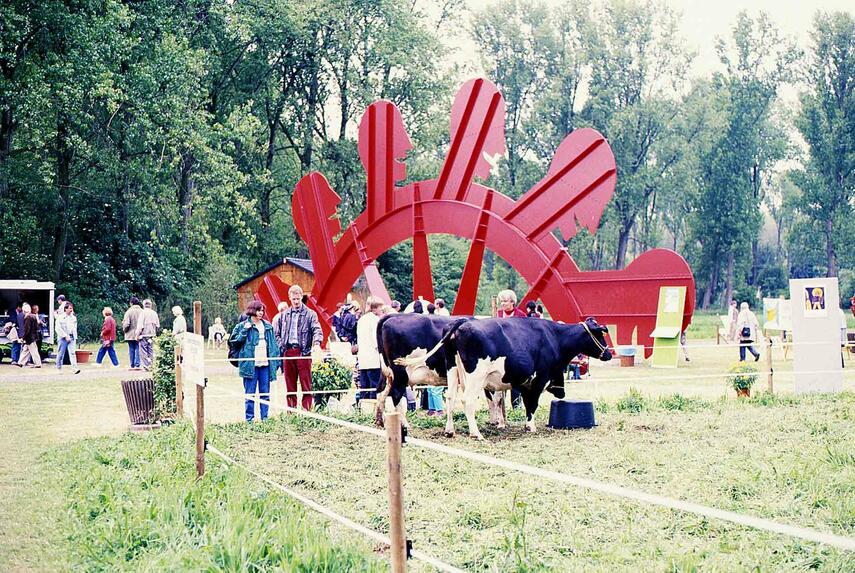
[(152, 146)]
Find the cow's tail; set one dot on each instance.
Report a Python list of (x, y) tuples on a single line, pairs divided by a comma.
[(421, 359)]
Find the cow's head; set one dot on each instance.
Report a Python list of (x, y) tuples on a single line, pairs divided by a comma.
[(599, 346)]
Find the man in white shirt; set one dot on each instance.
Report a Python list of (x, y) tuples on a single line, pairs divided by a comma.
[(368, 355)]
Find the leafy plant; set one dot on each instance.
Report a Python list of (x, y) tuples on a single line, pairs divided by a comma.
[(634, 402), (330, 374), (163, 373), (742, 376)]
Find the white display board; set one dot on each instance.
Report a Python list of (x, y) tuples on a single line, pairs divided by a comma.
[(816, 335), (193, 359)]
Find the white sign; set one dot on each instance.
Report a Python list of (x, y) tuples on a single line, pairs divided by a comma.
[(193, 359), (816, 335)]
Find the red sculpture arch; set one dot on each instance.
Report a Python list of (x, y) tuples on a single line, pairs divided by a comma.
[(578, 185)]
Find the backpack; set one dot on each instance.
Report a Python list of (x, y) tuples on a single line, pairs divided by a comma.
[(234, 351)]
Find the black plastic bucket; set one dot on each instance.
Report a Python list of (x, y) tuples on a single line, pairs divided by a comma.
[(568, 414)]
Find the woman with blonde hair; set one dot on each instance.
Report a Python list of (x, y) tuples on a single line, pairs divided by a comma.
[(108, 339)]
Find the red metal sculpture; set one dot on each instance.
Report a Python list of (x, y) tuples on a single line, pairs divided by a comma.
[(578, 185)]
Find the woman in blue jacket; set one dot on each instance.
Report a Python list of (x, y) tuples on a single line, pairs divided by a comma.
[(257, 367)]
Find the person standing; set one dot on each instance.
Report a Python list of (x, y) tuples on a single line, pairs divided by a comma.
[(507, 302), (507, 308), (302, 333), (257, 369), (147, 325), (30, 336), (732, 317), (440, 307), (108, 339), (368, 355), (179, 324), (747, 329), (19, 328), (66, 334), (129, 327)]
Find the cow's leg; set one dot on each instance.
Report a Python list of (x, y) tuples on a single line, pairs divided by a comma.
[(530, 400), (381, 401), (450, 401), (503, 418), (492, 405), (401, 407), (473, 386)]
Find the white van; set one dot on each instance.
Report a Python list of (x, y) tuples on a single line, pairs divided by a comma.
[(15, 292)]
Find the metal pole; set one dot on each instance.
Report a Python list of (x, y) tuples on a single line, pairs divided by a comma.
[(200, 401), (397, 534)]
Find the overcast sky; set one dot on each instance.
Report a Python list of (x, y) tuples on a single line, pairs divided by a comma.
[(704, 20)]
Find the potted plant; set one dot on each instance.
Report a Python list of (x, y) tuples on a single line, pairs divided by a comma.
[(330, 374), (742, 378)]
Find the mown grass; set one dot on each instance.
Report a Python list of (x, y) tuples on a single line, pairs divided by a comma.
[(133, 504), (786, 458)]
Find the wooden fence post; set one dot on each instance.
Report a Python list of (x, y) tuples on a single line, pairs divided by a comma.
[(179, 383), (397, 533), (200, 401), (769, 363)]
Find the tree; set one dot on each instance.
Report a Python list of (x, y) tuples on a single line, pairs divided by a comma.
[(827, 123), (637, 62), (757, 61)]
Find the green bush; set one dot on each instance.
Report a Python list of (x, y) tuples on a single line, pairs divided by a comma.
[(163, 373), (134, 504), (330, 374), (743, 376)]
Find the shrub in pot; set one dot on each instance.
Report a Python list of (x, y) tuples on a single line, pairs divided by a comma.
[(330, 374), (742, 377)]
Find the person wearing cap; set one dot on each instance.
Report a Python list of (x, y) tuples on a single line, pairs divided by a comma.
[(129, 329), (147, 327)]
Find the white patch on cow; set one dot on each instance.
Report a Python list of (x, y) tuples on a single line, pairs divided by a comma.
[(418, 373), (486, 371)]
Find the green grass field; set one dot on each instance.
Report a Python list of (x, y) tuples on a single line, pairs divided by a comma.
[(129, 502)]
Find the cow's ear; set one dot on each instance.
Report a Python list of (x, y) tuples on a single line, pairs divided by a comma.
[(591, 319)]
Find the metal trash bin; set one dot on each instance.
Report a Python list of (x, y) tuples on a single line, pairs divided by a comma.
[(139, 398)]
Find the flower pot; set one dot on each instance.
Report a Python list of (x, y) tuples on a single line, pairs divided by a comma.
[(139, 398), (743, 392), (627, 361), (82, 356)]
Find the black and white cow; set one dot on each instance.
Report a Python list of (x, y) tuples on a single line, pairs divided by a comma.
[(409, 337), (499, 353)]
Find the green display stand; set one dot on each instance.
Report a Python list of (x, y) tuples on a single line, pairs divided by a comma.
[(669, 321)]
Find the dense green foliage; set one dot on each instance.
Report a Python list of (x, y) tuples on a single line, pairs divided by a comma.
[(150, 147), (163, 374), (134, 504)]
